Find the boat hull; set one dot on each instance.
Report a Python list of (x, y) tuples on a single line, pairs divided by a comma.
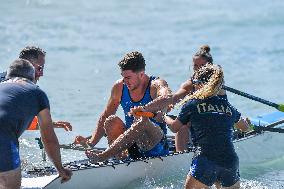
[(250, 150)]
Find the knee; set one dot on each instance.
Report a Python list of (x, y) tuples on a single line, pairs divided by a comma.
[(111, 122), (138, 125)]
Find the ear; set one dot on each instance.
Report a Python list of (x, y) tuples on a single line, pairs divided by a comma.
[(141, 74)]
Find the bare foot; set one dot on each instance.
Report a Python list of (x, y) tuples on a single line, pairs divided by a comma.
[(94, 158)]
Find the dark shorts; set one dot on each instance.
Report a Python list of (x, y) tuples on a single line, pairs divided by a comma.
[(208, 172), (160, 149)]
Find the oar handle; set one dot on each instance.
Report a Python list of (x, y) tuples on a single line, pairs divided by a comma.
[(275, 123), (145, 114), (279, 107), (261, 128)]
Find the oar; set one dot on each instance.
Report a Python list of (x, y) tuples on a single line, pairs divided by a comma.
[(80, 148), (279, 107), (261, 128), (269, 127)]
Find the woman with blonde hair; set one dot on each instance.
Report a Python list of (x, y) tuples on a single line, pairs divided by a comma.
[(211, 119)]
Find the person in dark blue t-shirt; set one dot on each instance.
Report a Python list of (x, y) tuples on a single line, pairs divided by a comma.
[(20, 101), (211, 119)]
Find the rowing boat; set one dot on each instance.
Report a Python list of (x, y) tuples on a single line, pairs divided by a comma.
[(118, 174)]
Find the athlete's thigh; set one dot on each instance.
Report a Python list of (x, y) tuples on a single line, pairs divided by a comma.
[(10, 179), (150, 134), (114, 124), (191, 183), (114, 127)]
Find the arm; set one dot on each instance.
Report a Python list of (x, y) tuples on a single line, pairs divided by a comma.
[(168, 100), (173, 124), (162, 95), (62, 124), (51, 144), (110, 109), (185, 89), (242, 125), (58, 124)]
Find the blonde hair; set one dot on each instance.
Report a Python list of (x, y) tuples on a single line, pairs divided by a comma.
[(211, 78)]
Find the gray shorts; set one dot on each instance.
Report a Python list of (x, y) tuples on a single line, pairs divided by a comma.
[(10, 179)]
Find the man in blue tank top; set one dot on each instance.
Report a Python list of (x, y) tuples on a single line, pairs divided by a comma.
[(141, 136), (212, 120), (20, 101)]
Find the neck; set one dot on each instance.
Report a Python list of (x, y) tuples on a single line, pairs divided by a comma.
[(138, 93), (19, 79)]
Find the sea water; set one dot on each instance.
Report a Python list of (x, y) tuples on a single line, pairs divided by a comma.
[(85, 40)]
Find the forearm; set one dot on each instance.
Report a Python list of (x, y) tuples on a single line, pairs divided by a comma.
[(173, 124), (178, 97), (158, 104), (99, 132), (53, 151)]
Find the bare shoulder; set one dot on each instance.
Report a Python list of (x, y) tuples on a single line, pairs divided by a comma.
[(116, 90), (158, 82), (118, 84), (159, 87)]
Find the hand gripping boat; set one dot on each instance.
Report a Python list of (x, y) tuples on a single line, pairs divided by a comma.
[(118, 174)]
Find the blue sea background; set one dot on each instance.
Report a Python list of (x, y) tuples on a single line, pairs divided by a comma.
[(84, 41)]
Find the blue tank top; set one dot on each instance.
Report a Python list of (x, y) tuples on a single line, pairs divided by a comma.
[(127, 103), (212, 121)]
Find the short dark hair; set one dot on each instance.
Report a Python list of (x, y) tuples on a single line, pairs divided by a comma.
[(204, 52), (133, 61), (31, 53), (21, 68)]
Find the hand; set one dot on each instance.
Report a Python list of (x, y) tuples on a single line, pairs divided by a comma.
[(136, 109), (80, 140), (63, 124), (65, 174), (170, 107), (83, 142)]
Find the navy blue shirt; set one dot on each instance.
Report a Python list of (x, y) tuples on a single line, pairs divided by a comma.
[(212, 121), (19, 103)]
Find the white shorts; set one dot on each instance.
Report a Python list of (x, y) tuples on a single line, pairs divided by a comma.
[(10, 179)]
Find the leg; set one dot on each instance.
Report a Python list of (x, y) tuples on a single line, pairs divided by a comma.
[(140, 132), (10, 179), (192, 183), (182, 138), (151, 134), (114, 127)]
